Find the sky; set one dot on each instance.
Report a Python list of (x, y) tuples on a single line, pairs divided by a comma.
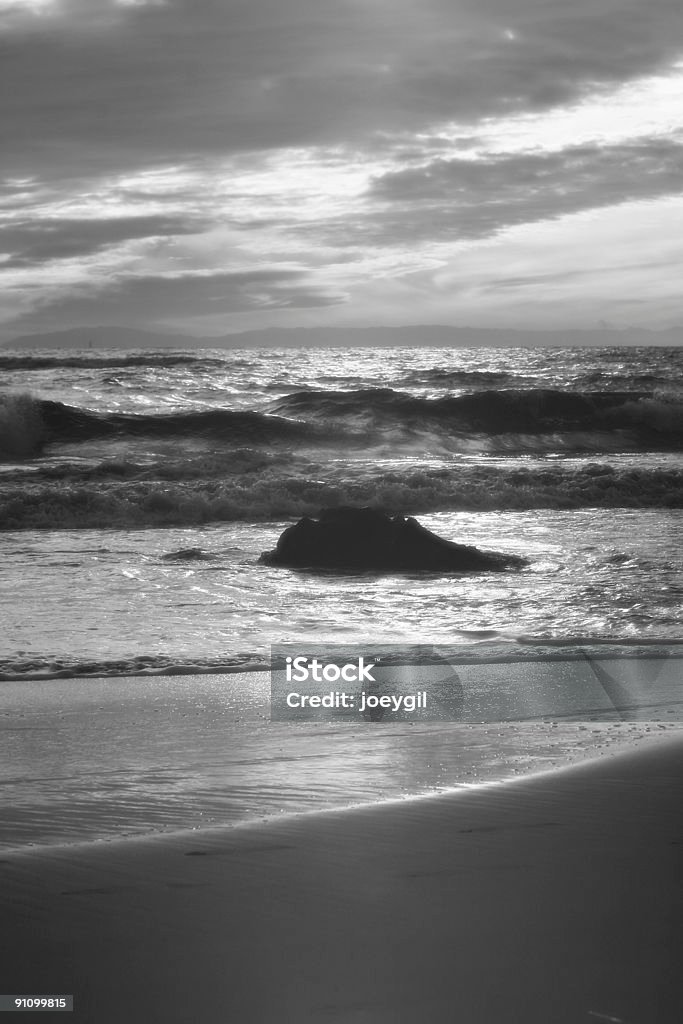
[(211, 166)]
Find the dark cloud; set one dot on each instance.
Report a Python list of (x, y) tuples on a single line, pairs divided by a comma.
[(103, 85), (136, 301), (38, 241), (619, 268), (474, 198), (653, 164), (201, 93)]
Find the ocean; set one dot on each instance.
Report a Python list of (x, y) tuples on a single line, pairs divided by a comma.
[(138, 489)]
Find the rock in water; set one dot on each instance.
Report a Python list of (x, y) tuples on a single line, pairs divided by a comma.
[(363, 538)]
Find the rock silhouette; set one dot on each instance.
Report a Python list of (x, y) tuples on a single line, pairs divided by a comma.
[(364, 538)]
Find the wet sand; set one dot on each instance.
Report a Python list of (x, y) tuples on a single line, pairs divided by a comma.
[(552, 899), (85, 759)]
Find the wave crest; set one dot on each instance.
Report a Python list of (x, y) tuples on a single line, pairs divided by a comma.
[(276, 496), (655, 419), (27, 424), (22, 429), (490, 420)]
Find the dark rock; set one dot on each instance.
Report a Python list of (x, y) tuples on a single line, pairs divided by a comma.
[(186, 555), (363, 538)]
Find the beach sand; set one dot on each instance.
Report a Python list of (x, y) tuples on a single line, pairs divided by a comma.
[(85, 759), (551, 899)]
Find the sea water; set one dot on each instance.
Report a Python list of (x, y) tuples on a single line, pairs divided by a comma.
[(138, 489)]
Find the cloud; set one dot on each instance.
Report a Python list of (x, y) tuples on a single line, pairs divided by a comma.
[(358, 138), (99, 84), (177, 298), (475, 198), (34, 242), (651, 163)]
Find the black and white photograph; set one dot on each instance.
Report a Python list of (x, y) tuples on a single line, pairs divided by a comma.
[(341, 476)]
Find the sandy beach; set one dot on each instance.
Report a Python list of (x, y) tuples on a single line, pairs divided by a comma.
[(548, 899), (104, 758), (341, 547)]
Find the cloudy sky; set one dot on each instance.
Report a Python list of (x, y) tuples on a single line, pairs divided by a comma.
[(217, 165)]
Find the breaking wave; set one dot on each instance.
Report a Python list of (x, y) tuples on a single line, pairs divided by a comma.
[(37, 668), (514, 411), (492, 421), (22, 430), (27, 424), (274, 495)]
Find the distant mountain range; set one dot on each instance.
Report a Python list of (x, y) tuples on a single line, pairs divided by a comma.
[(349, 337)]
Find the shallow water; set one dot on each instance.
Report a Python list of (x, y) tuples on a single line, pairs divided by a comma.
[(129, 440), (130, 548), (83, 760), (85, 600)]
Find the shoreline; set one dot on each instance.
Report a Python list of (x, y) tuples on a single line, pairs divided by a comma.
[(473, 657), (90, 760), (625, 746), (548, 898)]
